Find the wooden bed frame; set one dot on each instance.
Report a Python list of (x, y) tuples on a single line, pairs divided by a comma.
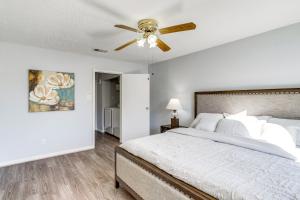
[(183, 187)]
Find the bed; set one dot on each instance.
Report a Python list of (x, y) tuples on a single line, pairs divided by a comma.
[(193, 164)]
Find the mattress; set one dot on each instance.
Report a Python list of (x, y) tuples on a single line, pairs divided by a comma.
[(223, 168)]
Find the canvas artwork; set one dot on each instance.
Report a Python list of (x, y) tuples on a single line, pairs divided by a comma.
[(51, 91)]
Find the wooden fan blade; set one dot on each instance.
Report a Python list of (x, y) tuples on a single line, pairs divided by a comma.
[(125, 45), (163, 46), (126, 27), (178, 28)]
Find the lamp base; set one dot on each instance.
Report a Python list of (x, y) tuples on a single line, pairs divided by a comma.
[(174, 122)]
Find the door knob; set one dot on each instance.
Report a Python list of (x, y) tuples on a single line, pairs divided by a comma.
[(147, 108)]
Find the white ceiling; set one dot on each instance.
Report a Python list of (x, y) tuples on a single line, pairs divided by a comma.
[(82, 25)]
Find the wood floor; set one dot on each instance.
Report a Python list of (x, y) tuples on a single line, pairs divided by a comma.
[(86, 175)]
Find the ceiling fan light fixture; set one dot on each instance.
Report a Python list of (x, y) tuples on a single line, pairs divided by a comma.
[(147, 30)]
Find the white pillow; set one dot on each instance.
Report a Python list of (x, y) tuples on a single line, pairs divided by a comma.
[(278, 135), (243, 127), (263, 117), (243, 114), (236, 116), (206, 121), (291, 125), (207, 124), (295, 133), (232, 127)]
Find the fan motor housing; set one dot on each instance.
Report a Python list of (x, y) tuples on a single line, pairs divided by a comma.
[(148, 25)]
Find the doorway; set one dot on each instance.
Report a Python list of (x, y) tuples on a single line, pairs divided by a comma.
[(107, 104), (127, 113)]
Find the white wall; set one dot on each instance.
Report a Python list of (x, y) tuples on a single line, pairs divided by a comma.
[(26, 135), (269, 60)]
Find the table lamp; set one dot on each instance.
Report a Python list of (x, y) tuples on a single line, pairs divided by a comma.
[(174, 105)]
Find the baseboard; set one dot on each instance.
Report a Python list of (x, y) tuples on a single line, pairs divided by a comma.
[(100, 131), (39, 157)]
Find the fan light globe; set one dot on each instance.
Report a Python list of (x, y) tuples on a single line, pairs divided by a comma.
[(152, 45), (141, 42), (152, 40)]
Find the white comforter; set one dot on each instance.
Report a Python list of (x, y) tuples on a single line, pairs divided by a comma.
[(226, 168)]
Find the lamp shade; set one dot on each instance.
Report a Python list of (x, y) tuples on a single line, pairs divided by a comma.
[(174, 104)]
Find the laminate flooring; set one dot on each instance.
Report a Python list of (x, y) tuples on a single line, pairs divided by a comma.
[(87, 175)]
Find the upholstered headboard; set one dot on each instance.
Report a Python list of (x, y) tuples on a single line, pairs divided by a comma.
[(283, 103)]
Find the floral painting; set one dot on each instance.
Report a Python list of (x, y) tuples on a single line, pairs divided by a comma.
[(51, 91)]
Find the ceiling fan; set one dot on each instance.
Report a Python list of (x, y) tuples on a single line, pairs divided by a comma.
[(148, 31)]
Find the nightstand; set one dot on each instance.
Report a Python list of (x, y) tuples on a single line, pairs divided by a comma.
[(164, 128)]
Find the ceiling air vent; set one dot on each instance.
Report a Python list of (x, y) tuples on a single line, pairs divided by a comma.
[(100, 50)]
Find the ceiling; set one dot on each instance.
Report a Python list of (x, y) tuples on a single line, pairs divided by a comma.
[(82, 25)]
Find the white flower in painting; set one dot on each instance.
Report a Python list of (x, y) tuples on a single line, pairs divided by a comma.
[(44, 95), (59, 81)]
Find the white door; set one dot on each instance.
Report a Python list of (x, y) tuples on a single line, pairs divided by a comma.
[(135, 111)]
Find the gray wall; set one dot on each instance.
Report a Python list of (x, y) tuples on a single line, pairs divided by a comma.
[(25, 136), (269, 60)]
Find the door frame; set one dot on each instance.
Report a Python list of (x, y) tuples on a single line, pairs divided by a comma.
[(97, 70)]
